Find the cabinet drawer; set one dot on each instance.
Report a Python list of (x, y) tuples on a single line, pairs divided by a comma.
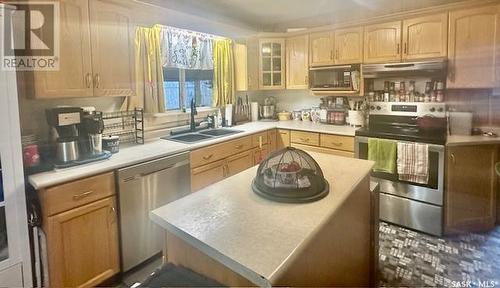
[(259, 139), (220, 151), (239, 162), (345, 143), (307, 138), (77, 193), (206, 175), (324, 150)]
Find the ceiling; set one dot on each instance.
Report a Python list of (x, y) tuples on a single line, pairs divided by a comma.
[(278, 15)]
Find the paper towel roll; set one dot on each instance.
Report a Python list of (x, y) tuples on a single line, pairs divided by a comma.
[(229, 115), (254, 108)]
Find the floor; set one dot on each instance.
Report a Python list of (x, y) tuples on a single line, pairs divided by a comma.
[(140, 274), (412, 259)]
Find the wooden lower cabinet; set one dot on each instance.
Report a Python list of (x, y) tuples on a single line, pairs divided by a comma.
[(282, 139), (323, 150), (272, 134), (206, 175), (83, 245), (471, 188), (215, 163), (260, 154), (237, 163)]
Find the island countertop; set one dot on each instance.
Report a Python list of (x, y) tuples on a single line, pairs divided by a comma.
[(253, 236)]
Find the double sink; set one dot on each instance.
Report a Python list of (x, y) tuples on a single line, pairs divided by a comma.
[(204, 135)]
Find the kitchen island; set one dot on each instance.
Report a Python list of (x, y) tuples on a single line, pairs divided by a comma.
[(228, 233)]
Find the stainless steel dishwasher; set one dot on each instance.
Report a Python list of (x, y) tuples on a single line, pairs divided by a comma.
[(143, 188)]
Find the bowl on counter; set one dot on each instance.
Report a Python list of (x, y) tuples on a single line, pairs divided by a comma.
[(284, 116)]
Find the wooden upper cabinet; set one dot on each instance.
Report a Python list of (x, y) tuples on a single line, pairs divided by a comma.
[(471, 188), (74, 78), (321, 49), (472, 48), (252, 64), (297, 62), (83, 245), (349, 45), (271, 64), (240, 67), (382, 42), (425, 37), (112, 49)]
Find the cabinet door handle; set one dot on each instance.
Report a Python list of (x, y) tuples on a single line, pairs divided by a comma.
[(79, 197), (225, 170), (331, 55), (88, 80), (397, 48), (453, 159), (112, 211), (97, 80), (238, 146), (406, 48), (338, 144), (305, 139), (207, 157)]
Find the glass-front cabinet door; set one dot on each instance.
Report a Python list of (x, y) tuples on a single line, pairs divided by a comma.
[(272, 64)]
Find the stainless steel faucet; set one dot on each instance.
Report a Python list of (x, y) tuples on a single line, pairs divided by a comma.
[(192, 124)]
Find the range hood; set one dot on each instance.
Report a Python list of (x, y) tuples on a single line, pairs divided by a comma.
[(424, 68)]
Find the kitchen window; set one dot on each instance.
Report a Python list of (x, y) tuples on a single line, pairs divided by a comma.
[(182, 85)]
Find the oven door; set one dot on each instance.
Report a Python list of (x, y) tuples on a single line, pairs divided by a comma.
[(431, 193)]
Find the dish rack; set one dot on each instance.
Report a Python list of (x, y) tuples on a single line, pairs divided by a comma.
[(128, 125)]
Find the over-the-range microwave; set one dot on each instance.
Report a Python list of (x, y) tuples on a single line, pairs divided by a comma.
[(335, 78)]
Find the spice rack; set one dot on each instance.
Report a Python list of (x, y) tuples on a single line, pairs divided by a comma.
[(128, 125)]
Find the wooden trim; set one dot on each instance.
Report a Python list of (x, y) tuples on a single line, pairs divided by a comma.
[(181, 253)]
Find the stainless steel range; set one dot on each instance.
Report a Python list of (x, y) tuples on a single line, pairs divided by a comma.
[(413, 205)]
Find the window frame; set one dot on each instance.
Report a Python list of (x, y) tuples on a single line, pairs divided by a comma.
[(184, 107)]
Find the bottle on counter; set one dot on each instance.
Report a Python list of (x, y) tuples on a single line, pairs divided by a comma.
[(411, 91), (392, 92)]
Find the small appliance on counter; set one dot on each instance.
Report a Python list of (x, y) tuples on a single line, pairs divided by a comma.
[(76, 136), (268, 110), (460, 123), (64, 122)]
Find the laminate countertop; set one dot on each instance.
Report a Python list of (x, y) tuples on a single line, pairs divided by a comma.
[(465, 140), (158, 148), (253, 236)]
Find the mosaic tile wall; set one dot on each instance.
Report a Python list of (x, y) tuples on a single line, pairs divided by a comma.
[(412, 259)]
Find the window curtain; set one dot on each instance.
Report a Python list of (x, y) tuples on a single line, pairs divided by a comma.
[(186, 49), (223, 88), (149, 72)]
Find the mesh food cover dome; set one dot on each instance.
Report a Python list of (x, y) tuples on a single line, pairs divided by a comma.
[(290, 175)]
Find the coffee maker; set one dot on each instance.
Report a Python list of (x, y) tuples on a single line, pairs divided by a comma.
[(64, 123), (90, 131)]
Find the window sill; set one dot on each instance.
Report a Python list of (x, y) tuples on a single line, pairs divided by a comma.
[(181, 113)]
